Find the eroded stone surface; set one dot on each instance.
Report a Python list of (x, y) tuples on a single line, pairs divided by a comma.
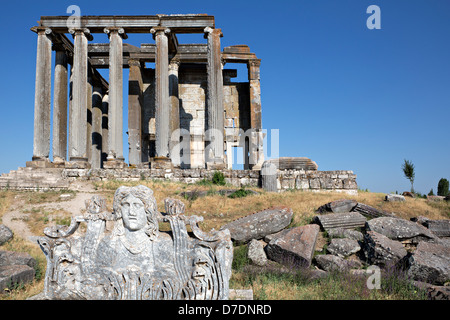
[(295, 246), (259, 224), (400, 229), (381, 250), (430, 263)]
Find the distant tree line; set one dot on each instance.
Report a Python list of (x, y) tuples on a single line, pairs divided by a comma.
[(409, 173)]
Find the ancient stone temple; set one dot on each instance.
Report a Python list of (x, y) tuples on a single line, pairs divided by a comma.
[(186, 112), (124, 255), (186, 115)]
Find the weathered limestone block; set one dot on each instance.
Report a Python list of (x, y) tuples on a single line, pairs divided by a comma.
[(295, 247), (380, 250), (330, 263), (441, 228), (256, 253), (301, 183), (394, 198), (343, 247), (16, 258), (14, 274), (15, 267), (132, 259), (345, 233), (369, 211), (400, 229), (5, 234), (430, 263), (259, 224), (349, 220), (349, 184), (338, 206), (314, 183)]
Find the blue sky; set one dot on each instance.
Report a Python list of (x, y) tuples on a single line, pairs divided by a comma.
[(345, 96)]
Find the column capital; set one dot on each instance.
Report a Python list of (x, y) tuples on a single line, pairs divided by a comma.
[(42, 30), (120, 31), (78, 31), (253, 69), (254, 63), (134, 62), (174, 64), (213, 31), (159, 30)]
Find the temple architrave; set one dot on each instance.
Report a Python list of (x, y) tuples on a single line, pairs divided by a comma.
[(186, 112)]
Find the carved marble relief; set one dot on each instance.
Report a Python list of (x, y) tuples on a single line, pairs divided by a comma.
[(124, 256)]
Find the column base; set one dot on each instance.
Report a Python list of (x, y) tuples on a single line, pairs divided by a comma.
[(216, 166), (114, 164), (77, 163), (59, 162), (142, 165), (38, 162), (161, 163)]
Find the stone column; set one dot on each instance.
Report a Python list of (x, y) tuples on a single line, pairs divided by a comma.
[(115, 115), (78, 106), (174, 141), (42, 98), (96, 147), (162, 103), (60, 108), (89, 116), (214, 106), (135, 104), (256, 137), (105, 135)]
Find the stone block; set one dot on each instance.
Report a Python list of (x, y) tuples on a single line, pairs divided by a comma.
[(430, 263), (346, 220), (338, 206), (394, 198), (441, 228), (400, 229), (295, 247), (330, 263), (382, 251), (16, 258), (15, 274), (343, 247), (256, 253), (259, 224), (5, 235)]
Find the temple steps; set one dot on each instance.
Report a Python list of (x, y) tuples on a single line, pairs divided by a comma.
[(26, 178)]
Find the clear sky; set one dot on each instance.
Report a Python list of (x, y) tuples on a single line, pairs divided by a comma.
[(345, 96)]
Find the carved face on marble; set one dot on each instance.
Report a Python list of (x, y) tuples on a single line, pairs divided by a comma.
[(137, 208), (133, 213)]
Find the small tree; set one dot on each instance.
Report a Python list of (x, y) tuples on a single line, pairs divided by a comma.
[(431, 193), (408, 171), (442, 187)]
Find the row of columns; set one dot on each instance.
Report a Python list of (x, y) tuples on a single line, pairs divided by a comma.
[(88, 98)]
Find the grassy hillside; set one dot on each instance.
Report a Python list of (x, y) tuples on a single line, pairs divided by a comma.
[(272, 282)]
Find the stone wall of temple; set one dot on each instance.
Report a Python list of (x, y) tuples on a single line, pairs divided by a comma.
[(59, 178)]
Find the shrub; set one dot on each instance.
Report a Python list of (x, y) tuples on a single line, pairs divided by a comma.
[(218, 178), (240, 193), (442, 187)]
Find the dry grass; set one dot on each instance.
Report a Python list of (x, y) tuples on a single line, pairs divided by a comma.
[(218, 210)]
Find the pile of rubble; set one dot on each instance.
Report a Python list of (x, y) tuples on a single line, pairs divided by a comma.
[(353, 236)]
